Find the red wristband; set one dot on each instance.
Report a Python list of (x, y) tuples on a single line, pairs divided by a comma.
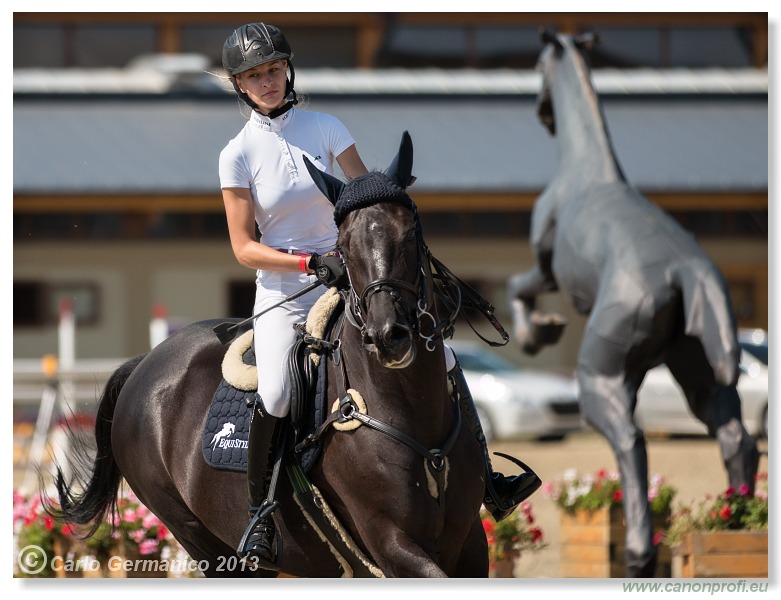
[(302, 262)]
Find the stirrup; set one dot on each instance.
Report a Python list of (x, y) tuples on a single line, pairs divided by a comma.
[(256, 554), (501, 507)]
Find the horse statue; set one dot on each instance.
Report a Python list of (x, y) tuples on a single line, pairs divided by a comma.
[(651, 293), (396, 471)]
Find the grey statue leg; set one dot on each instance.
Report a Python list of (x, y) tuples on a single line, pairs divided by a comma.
[(608, 396), (531, 329), (718, 407)]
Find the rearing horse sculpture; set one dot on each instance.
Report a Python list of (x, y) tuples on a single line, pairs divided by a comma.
[(651, 293)]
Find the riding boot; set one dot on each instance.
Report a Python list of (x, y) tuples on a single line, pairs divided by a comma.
[(502, 494), (258, 539)]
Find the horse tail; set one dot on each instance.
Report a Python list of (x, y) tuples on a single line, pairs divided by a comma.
[(709, 316), (99, 496)]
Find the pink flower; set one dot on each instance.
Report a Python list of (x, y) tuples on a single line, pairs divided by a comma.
[(137, 535), (129, 515), (744, 490), (148, 547), (149, 521)]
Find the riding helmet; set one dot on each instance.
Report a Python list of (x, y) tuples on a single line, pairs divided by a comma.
[(255, 44), (252, 45)]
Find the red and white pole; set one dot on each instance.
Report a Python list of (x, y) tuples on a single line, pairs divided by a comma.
[(158, 326), (67, 335)]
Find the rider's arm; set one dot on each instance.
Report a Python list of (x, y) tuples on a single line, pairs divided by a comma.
[(241, 227)]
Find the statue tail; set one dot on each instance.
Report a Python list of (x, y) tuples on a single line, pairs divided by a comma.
[(709, 316)]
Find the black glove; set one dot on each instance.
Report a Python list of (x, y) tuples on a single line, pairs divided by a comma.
[(329, 269)]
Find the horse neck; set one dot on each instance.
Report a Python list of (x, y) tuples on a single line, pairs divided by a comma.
[(583, 139)]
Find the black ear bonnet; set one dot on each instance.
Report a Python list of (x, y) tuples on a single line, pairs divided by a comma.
[(367, 190)]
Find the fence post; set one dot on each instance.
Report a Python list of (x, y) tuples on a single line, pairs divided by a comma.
[(158, 326)]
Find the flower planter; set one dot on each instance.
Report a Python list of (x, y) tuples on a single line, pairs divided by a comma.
[(505, 567), (593, 542), (725, 554)]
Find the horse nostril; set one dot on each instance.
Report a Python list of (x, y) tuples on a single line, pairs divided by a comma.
[(395, 334)]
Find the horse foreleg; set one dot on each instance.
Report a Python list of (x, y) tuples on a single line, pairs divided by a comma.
[(607, 406), (398, 555), (473, 560), (532, 330)]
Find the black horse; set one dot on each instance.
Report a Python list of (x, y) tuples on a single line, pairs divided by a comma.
[(651, 293), (405, 485)]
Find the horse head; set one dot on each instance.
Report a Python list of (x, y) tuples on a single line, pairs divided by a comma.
[(380, 243), (556, 47)]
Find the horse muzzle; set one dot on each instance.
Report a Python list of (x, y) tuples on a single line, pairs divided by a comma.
[(392, 342)]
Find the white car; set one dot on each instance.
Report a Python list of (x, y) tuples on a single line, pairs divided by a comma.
[(515, 402), (662, 407)]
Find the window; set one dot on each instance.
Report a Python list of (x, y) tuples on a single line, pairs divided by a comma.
[(37, 303), (241, 298)]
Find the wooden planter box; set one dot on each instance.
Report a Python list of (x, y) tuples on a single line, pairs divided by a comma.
[(593, 542), (721, 554)]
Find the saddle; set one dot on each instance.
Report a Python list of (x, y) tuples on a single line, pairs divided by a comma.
[(226, 432)]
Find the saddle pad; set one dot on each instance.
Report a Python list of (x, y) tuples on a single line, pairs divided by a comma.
[(226, 433)]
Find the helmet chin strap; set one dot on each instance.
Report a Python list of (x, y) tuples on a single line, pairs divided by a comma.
[(283, 109)]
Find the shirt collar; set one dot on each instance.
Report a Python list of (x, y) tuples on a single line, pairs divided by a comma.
[(275, 125)]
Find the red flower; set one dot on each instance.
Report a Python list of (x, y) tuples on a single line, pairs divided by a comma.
[(657, 538), (48, 523), (744, 490), (618, 495), (67, 529), (725, 512), (601, 474), (488, 526), (536, 534), (730, 491)]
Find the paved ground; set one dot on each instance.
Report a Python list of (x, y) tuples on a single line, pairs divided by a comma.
[(692, 465)]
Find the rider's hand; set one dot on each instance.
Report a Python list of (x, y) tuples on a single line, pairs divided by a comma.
[(329, 269)]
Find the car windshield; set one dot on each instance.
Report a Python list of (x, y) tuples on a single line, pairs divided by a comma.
[(485, 361), (758, 351)]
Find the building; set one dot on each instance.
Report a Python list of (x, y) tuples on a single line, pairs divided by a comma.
[(119, 118)]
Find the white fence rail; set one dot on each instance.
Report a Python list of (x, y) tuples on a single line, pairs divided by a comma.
[(87, 378)]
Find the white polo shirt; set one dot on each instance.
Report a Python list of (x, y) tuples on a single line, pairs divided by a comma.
[(267, 157)]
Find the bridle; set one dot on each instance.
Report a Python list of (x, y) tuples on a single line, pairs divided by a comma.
[(357, 304)]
